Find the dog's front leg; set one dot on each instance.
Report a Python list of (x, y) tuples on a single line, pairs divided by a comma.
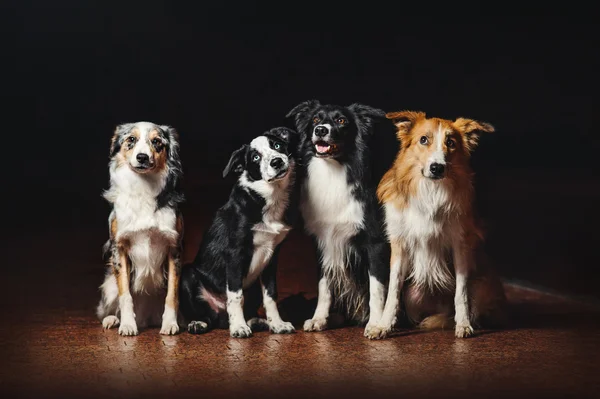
[(169, 317), (379, 274), (268, 282), (463, 264), (122, 269), (238, 328), (398, 270)]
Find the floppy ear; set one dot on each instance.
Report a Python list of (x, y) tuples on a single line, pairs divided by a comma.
[(116, 141), (172, 194), (283, 133), (236, 162), (404, 120), (472, 130), (366, 114), (301, 114)]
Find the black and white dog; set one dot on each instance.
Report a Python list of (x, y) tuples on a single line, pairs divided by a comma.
[(146, 230), (238, 254), (340, 209)]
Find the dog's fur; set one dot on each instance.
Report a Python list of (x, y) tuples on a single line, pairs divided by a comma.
[(433, 232), (242, 244), (146, 230), (340, 210)]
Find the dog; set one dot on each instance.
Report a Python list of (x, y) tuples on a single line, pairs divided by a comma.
[(146, 230), (339, 209), (435, 239), (238, 254)]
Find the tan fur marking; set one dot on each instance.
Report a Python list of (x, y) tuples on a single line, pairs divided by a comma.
[(123, 273), (160, 158), (172, 298)]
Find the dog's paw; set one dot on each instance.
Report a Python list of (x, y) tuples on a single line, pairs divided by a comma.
[(128, 328), (374, 331), (281, 327), (463, 331), (240, 331), (169, 328), (258, 324), (197, 327), (319, 324), (110, 322)]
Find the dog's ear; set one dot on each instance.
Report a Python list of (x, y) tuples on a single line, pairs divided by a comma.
[(283, 133), (117, 138), (172, 194), (301, 113), (471, 131), (236, 162), (366, 114), (404, 120)]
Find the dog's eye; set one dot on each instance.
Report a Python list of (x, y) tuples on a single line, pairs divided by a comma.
[(156, 142), (256, 158), (342, 121), (316, 119), (450, 143), (277, 146), (131, 139), (424, 140)]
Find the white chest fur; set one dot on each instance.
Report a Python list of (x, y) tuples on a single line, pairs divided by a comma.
[(149, 231), (427, 228), (329, 209), (272, 230)]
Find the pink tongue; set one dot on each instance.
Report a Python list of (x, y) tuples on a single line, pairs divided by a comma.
[(322, 148)]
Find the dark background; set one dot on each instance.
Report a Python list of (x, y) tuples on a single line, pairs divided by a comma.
[(222, 74)]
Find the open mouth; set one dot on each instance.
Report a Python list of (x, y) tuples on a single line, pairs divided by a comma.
[(324, 148)]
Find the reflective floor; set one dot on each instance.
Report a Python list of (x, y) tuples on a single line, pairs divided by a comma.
[(51, 345)]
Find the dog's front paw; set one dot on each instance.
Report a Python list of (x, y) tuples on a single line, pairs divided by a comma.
[(318, 324), (463, 331), (281, 327), (169, 328), (240, 331), (110, 322), (374, 331), (197, 327), (128, 328), (258, 324)]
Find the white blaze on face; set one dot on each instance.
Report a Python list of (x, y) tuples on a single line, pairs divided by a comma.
[(142, 145), (437, 155), (261, 144)]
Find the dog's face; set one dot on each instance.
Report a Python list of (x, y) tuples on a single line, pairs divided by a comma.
[(143, 146), (267, 157), (434, 145), (333, 130)]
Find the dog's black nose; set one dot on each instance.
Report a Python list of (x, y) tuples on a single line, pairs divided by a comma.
[(142, 158), (437, 169), (277, 163), (321, 131)]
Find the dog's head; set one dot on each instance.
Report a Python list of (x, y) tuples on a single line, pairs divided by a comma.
[(268, 157), (436, 145), (334, 131), (145, 147)]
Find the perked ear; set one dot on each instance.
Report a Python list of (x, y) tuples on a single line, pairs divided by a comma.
[(236, 162), (366, 114), (471, 131), (301, 113), (116, 141), (404, 120), (283, 133)]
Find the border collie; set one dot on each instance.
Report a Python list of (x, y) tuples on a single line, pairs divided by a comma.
[(435, 241), (242, 244), (340, 210), (146, 230)]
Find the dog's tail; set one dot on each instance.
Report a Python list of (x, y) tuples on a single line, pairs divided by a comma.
[(440, 321)]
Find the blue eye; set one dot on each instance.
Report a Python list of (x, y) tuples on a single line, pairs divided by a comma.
[(277, 146), (256, 158)]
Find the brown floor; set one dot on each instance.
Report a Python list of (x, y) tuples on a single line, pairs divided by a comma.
[(51, 345)]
